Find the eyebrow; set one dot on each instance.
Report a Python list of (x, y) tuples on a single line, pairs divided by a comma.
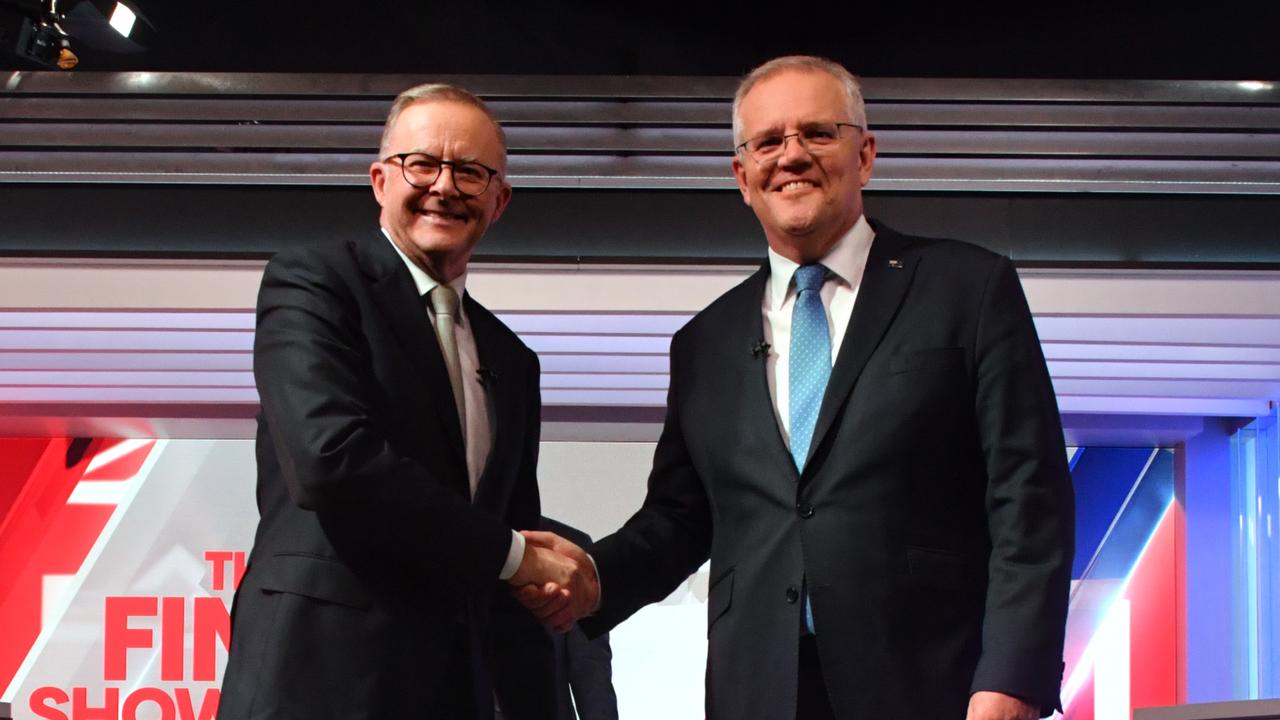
[(465, 158), (802, 126)]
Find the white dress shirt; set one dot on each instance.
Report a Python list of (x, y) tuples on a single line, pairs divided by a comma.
[(477, 432), (845, 263)]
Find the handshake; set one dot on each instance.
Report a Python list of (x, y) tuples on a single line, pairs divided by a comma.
[(556, 580)]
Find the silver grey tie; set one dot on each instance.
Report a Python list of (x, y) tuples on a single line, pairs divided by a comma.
[(444, 301)]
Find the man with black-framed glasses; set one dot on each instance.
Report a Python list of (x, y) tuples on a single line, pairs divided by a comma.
[(397, 453), (863, 439)]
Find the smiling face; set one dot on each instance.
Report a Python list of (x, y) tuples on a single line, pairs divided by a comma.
[(804, 202), (437, 227)]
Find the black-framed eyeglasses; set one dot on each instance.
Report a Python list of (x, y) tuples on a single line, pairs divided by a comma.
[(421, 170), (816, 138)]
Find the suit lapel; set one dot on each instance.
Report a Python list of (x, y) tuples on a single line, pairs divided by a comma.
[(394, 292), (750, 362), (884, 284)]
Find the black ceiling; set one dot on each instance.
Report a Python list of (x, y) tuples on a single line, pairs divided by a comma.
[(1221, 40)]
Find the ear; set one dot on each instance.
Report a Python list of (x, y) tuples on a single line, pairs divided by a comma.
[(378, 179), (504, 197), (740, 173), (866, 157)]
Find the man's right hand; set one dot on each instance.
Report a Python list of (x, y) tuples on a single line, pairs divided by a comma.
[(556, 580)]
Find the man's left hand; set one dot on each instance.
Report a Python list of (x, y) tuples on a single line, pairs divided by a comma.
[(987, 705)]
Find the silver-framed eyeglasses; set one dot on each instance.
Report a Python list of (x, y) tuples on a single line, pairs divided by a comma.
[(421, 170), (816, 138)]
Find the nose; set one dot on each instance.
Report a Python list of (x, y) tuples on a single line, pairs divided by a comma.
[(443, 187), (794, 151)]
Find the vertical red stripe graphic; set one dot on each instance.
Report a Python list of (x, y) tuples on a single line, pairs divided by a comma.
[(1153, 623)]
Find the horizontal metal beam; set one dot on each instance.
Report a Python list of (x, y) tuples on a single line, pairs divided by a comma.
[(573, 112), (935, 135), (357, 85), (643, 140), (966, 174)]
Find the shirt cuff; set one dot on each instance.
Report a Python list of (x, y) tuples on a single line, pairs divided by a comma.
[(515, 555), (599, 586)]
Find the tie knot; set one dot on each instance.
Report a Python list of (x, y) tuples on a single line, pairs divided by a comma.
[(444, 301), (810, 277)]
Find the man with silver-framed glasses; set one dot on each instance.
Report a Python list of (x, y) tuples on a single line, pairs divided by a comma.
[(397, 451), (863, 439)]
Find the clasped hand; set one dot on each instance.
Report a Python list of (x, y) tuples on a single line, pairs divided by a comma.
[(556, 580)]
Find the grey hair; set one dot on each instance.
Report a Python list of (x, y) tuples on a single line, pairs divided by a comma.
[(438, 92), (803, 63)]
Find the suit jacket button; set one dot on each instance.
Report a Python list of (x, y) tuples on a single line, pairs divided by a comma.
[(805, 510), (793, 595)]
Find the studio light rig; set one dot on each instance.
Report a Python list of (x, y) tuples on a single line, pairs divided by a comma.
[(48, 33), (32, 31)]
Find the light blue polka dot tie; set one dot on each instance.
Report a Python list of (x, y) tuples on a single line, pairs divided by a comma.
[(810, 368)]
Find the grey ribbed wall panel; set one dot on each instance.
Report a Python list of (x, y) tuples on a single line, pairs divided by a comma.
[(650, 226), (586, 132)]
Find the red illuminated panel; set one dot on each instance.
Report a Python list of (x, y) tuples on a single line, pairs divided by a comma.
[(1149, 622), (40, 533), (18, 458), (1153, 623)]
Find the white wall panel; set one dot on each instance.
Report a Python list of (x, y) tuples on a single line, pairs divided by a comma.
[(120, 338)]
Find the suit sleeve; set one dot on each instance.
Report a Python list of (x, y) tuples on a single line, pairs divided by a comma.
[(1029, 501), (591, 675), (328, 419), (668, 538)]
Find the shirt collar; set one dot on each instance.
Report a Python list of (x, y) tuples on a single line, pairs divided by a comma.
[(424, 282), (845, 260)]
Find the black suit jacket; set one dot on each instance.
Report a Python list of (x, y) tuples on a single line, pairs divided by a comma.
[(933, 523), (373, 575)]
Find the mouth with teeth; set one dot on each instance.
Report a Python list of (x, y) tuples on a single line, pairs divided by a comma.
[(440, 215), (794, 186)]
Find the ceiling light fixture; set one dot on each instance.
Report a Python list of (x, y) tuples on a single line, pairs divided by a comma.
[(123, 18)]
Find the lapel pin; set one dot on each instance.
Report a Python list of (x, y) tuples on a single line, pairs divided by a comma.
[(895, 264)]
